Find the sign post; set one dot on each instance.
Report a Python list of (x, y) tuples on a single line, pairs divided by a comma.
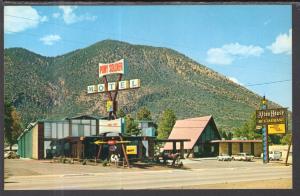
[(265, 144), (264, 106), (271, 121)]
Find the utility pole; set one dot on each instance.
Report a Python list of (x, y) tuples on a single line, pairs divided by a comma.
[(264, 106), (288, 152)]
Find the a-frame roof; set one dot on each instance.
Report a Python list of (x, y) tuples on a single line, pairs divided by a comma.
[(191, 128)]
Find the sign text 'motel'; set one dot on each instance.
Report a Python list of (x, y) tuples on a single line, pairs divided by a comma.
[(112, 86)]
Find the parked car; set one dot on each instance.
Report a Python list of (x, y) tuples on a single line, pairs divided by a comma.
[(273, 155), (243, 157), (10, 155), (224, 157)]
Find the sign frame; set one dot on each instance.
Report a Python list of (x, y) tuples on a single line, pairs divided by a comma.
[(117, 67)]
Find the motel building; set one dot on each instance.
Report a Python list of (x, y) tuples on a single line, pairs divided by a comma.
[(74, 137), (205, 139)]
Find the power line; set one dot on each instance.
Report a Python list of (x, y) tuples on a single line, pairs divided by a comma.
[(84, 29), (272, 82), (105, 33), (74, 42)]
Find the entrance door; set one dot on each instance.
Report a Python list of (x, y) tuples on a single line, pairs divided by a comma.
[(230, 149)]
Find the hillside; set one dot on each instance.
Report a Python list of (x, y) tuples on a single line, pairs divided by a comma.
[(55, 87)]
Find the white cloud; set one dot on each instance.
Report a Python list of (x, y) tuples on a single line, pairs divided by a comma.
[(233, 79), (229, 52), (218, 56), (70, 17), (282, 44), (21, 18), (56, 15), (50, 39)]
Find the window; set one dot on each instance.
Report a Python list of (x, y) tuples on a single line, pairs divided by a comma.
[(86, 122), (80, 130), (87, 130), (47, 130), (75, 121), (93, 127), (66, 129), (59, 130), (75, 129), (53, 130)]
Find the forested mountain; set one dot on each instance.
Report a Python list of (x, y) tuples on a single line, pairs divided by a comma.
[(55, 87)]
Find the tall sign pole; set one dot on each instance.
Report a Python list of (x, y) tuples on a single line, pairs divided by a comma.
[(264, 106), (112, 109), (272, 122), (111, 89)]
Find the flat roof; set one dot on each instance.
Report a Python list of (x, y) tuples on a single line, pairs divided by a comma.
[(172, 140), (235, 141)]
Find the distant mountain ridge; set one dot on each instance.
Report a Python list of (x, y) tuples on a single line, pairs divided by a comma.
[(55, 87)]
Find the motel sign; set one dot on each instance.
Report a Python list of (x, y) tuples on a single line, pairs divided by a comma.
[(112, 88), (117, 67)]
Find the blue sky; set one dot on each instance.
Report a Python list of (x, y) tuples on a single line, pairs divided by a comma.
[(250, 44)]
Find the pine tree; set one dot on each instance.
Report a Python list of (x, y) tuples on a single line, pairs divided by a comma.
[(12, 124), (248, 130), (131, 127), (166, 123), (144, 114), (121, 113)]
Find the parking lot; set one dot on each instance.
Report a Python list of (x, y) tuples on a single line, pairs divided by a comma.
[(196, 173)]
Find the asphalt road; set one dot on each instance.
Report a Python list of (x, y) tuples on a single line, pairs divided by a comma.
[(161, 179)]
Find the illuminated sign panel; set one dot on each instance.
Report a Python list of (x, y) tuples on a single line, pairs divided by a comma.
[(123, 85), (131, 150), (111, 125), (276, 129), (135, 83), (271, 116), (117, 67), (90, 89), (112, 86), (109, 106), (101, 88)]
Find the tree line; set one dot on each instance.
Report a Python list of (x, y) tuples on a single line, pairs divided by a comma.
[(248, 131), (164, 125), (13, 126)]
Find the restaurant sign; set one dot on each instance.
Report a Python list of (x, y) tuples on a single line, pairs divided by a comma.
[(271, 116), (276, 129)]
